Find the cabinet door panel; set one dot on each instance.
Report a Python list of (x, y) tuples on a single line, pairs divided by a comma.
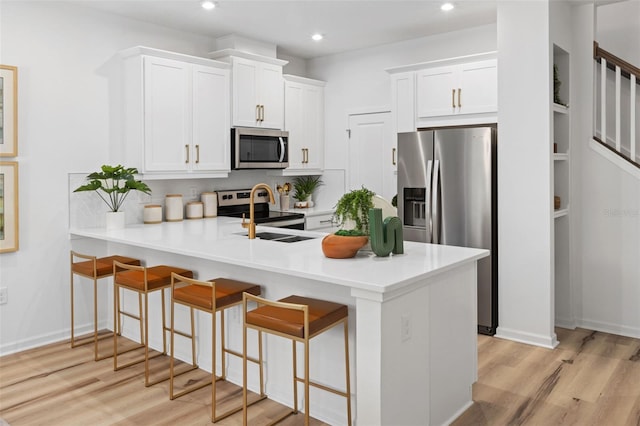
[(245, 92), (479, 84), (435, 86), (167, 114), (314, 119), (271, 96), (211, 128), (294, 124)]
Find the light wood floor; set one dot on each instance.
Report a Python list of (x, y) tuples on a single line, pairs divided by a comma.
[(592, 378)]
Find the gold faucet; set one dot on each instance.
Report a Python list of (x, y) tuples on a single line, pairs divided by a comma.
[(252, 224)]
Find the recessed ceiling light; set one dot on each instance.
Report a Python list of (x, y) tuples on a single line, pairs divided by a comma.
[(208, 5), (317, 37), (446, 7)]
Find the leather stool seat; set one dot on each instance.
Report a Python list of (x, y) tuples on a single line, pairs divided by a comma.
[(104, 266), (322, 314), (228, 292), (157, 277)]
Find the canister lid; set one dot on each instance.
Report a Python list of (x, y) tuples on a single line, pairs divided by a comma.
[(174, 195), (149, 206), (194, 203)]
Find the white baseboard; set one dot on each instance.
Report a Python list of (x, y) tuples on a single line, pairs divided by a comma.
[(605, 327), (566, 323), (544, 341), (458, 413), (615, 159)]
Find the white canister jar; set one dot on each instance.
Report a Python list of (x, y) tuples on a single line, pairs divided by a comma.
[(210, 201), (174, 210), (152, 213), (194, 210)]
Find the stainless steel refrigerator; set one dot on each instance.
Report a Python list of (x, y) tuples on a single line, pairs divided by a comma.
[(447, 194)]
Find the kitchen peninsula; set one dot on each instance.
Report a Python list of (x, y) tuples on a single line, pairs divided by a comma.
[(412, 316)]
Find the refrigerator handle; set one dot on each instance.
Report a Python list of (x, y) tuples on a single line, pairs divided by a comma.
[(435, 203), (427, 203)]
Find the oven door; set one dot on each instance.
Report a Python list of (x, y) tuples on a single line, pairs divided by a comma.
[(260, 149)]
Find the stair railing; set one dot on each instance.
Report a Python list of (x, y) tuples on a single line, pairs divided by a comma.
[(624, 69)]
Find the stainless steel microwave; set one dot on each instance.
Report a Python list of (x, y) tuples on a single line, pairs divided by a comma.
[(253, 148)]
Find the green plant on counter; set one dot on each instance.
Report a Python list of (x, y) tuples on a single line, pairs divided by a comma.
[(354, 206), (115, 182), (304, 186)]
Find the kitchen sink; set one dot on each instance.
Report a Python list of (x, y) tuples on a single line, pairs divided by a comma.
[(283, 238)]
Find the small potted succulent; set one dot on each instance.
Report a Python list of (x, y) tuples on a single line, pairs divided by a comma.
[(304, 187), (352, 215), (113, 184)]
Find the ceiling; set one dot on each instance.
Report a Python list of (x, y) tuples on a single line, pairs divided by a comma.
[(346, 25)]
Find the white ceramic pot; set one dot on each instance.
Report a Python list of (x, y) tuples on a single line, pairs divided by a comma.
[(115, 220)]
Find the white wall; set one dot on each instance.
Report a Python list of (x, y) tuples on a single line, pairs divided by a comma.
[(609, 291), (525, 291)]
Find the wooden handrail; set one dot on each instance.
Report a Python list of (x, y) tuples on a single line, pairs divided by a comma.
[(626, 68), (619, 154)]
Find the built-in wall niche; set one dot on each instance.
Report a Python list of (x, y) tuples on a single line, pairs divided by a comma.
[(561, 73), (561, 136), (561, 184)]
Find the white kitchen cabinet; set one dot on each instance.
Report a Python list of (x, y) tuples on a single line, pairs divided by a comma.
[(467, 88), (403, 99), (304, 120), (322, 222), (175, 115), (257, 95)]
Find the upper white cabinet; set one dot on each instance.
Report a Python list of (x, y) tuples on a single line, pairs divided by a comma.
[(256, 89), (304, 120), (468, 88), (175, 115), (455, 91)]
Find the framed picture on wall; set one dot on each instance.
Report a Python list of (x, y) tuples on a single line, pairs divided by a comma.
[(8, 206), (8, 111)]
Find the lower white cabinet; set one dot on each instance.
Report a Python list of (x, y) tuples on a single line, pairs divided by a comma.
[(322, 222), (176, 115), (304, 120)]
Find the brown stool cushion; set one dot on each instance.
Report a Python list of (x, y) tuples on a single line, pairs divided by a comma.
[(157, 277), (228, 292), (321, 315), (104, 266)]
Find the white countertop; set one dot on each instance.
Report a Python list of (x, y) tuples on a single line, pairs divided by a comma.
[(221, 240)]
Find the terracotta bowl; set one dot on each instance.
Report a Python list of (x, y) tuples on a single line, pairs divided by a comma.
[(342, 247)]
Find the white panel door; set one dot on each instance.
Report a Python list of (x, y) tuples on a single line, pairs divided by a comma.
[(294, 123), (167, 121), (370, 149), (479, 87), (314, 122), (436, 88), (211, 124)]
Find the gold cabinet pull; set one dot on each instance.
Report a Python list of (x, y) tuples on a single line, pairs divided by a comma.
[(197, 154), (459, 97), (393, 156), (186, 147), (257, 112), (303, 155), (261, 112), (453, 98)]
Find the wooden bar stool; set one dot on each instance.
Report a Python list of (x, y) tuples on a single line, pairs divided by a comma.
[(142, 281), (211, 296), (299, 319), (94, 268)]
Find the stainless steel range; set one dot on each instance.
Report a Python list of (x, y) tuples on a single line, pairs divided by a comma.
[(235, 203)]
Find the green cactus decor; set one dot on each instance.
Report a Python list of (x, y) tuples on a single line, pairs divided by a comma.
[(385, 236)]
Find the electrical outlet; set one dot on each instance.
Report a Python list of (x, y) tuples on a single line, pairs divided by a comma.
[(193, 192), (405, 327), (4, 295)]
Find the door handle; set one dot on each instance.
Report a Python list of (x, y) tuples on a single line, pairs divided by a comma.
[(435, 198), (282, 150), (459, 97), (427, 199), (197, 154), (453, 98), (186, 147), (393, 156), (257, 112)]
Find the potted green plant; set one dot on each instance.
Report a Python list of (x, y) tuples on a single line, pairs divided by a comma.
[(304, 187), (352, 215), (113, 184)]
